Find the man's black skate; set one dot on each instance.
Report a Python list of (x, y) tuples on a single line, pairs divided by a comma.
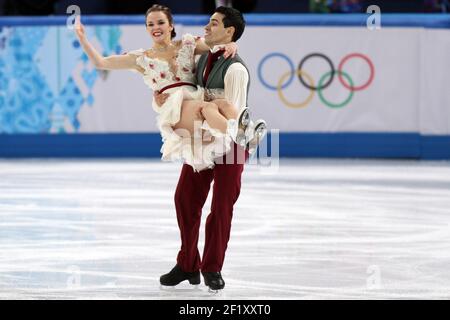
[(213, 280), (176, 275)]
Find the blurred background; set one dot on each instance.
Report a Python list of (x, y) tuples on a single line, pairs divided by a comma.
[(58, 7)]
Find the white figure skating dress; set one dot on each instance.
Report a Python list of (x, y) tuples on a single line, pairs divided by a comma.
[(180, 83)]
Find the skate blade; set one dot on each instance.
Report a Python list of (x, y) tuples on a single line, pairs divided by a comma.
[(214, 291), (167, 288), (241, 138), (259, 136), (242, 142), (182, 287)]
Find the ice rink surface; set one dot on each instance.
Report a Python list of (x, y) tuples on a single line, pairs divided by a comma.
[(313, 229)]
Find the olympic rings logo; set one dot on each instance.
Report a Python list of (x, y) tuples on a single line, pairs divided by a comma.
[(324, 81)]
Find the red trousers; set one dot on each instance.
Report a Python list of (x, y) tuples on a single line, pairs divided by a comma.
[(190, 196)]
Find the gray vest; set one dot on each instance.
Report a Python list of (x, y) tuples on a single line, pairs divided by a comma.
[(217, 74)]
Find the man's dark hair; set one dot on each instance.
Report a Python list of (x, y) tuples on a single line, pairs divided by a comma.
[(233, 18)]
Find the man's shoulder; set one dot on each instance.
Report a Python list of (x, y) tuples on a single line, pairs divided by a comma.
[(237, 63), (238, 58), (237, 69)]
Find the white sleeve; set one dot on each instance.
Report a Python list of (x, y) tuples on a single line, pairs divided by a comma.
[(236, 80)]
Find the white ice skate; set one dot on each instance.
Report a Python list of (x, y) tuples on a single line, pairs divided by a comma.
[(257, 134), (237, 127)]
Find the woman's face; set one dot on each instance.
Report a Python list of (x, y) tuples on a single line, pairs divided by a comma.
[(158, 26)]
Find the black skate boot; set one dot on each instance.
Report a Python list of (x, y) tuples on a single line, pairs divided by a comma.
[(176, 275), (259, 131), (213, 280)]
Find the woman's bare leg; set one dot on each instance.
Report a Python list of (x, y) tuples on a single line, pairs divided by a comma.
[(214, 118), (190, 113), (215, 113), (228, 110)]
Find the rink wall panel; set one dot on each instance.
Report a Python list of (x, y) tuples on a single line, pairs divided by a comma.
[(53, 103), (319, 145)]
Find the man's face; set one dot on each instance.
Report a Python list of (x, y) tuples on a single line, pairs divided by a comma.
[(215, 31)]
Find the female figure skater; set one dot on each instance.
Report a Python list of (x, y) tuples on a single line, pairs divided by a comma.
[(168, 68)]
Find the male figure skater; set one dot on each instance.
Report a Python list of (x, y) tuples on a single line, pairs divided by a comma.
[(213, 71)]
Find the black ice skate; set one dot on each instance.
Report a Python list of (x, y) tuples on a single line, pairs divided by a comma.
[(214, 281), (259, 131), (176, 275)]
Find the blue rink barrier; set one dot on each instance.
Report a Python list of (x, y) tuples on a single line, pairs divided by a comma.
[(315, 145), (331, 145)]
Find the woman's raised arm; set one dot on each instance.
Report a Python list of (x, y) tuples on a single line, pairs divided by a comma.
[(113, 62)]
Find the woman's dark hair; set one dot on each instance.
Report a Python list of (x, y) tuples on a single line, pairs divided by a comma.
[(166, 11), (233, 18)]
